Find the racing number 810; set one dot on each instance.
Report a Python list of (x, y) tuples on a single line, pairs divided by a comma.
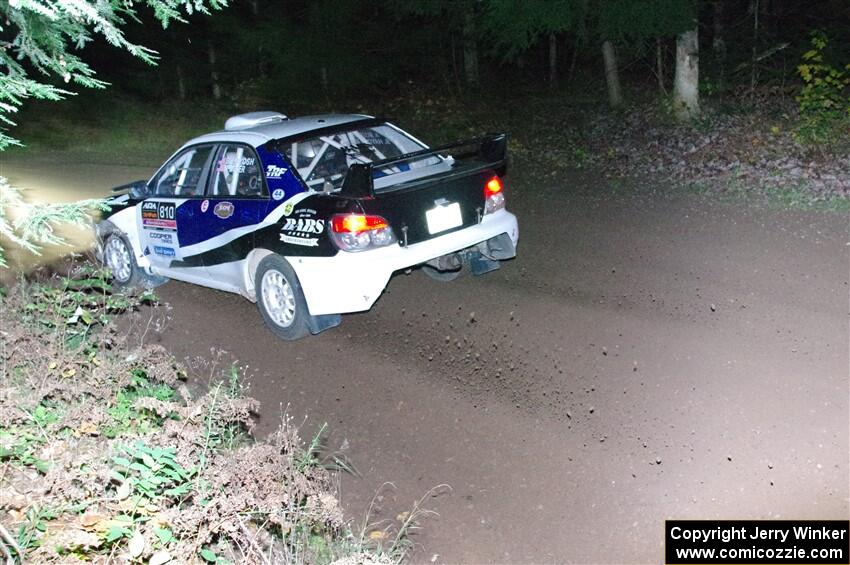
[(166, 211)]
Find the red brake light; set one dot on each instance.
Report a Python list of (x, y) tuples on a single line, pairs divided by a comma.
[(356, 223), (359, 232), (493, 186)]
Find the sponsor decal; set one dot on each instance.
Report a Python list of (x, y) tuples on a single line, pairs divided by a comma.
[(161, 236), (287, 209), (223, 210), (278, 194), (205, 205), (303, 226), (164, 251), (306, 241), (159, 215), (229, 164), (275, 172)]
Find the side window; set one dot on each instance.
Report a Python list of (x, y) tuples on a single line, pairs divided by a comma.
[(186, 174), (236, 172)]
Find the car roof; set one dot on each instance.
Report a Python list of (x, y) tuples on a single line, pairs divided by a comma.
[(263, 133)]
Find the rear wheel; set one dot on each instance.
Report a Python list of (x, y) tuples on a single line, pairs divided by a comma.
[(439, 275), (280, 298)]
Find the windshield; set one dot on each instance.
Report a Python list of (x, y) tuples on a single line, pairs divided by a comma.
[(326, 158)]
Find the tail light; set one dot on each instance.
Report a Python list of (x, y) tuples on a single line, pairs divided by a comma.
[(359, 232), (494, 198)]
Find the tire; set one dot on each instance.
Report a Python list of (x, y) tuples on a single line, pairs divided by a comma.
[(443, 276), (118, 258), (126, 273), (280, 299)]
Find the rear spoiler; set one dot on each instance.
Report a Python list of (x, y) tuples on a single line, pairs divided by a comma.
[(490, 150)]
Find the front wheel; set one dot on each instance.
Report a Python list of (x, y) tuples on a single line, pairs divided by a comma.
[(119, 259), (280, 298)]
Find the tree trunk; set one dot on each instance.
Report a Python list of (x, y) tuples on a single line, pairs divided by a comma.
[(686, 86), (216, 87), (718, 42), (573, 59), (659, 65), (470, 51), (181, 83), (553, 61), (612, 76), (754, 6)]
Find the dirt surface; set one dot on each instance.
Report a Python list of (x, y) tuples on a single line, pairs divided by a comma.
[(647, 356)]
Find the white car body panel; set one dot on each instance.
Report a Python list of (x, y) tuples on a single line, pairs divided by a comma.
[(365, 275)]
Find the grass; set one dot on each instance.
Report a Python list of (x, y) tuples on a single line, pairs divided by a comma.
[(777, 197)]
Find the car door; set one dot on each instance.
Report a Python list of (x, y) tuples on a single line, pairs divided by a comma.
[(163, 218), (224, 221)]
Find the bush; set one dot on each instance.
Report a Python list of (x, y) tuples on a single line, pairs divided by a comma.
[(824, 102)]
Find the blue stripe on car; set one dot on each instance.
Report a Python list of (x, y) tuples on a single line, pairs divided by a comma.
[(197, 226)]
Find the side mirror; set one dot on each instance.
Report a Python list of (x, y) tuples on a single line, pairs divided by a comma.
[(137, 190)]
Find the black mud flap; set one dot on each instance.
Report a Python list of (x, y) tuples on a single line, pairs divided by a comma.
[(479, 264), (318, 324)]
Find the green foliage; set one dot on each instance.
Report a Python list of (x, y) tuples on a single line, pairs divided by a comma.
[(151, 473), (22, 443), (824, 101), (34, 525), (126, 419), (516, 25), (33, 226), (632, 22), (210, 556), (44, 37), (78, 304)]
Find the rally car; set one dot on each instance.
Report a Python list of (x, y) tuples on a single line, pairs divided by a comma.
[(310, 216)]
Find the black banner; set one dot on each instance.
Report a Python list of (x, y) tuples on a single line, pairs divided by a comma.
[(763, 542)]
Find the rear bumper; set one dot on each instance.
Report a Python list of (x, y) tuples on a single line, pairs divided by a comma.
[(352, 282)]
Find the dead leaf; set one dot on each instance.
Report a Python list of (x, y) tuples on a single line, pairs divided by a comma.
[(378, 535), (87, 429), (72, 538), (92, 521), (160, 558), (124, 490), (136, 545), (403, 516)]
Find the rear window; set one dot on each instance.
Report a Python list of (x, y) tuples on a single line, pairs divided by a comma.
[(323, 161)]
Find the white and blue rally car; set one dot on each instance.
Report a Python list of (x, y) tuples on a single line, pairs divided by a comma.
[(310, 216)]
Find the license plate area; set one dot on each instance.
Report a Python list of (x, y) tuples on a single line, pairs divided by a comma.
[(443, 217)]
